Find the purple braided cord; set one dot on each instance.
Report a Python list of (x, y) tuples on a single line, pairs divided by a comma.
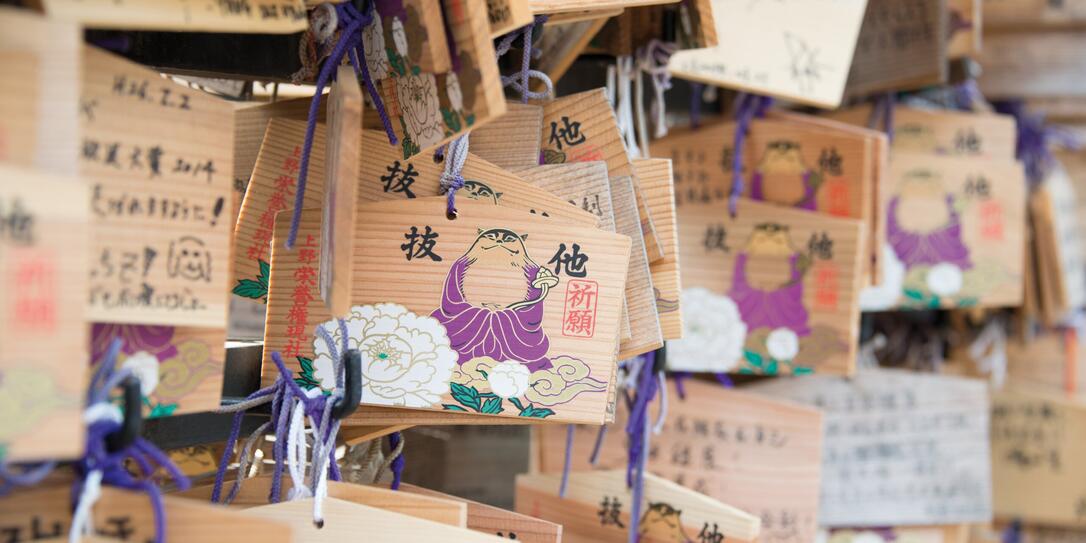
[(680, 378), (568, 461), (351, 24), (695, 104), (1034, 140), (724, 380), (112, 464), (637, 430), (600, 435), (394, 440), (882, 113)]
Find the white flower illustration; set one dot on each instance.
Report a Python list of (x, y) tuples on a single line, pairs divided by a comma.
[(885, 295), (944, 279), (509, 379), (417, 96), (406, 358), (400, 37), (145, 367), (452, 89), (373, 36), (868, 537), (713, 333), (782, 344)]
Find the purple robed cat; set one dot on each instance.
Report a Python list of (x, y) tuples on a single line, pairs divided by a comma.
[(780, 308), (807, 202), (501, 334), (941, 245)]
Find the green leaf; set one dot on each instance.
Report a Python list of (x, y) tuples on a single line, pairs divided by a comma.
[(485, 376), (551, 156), (265, 273), (746, 371), (914, 294), (415, 70), (247, 288), (470, 119), (451, 407), (771, 368), (516, 403), (466, 396), (934, 302), (754, 358), (802, 370), (162, 410), (492, 406), (396, 61), (967, 302), (536, 412), (451, 118)]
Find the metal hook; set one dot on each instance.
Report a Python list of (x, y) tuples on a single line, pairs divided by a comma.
[(132, 425), (659, 362), (352, 385)]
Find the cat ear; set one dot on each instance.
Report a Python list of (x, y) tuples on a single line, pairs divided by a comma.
[(479, 231), (524, 237), (497, 195)]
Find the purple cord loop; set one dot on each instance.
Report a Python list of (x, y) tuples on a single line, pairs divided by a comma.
[(452, 179), (519, 80), (1035, 139), (749, 106), (724, 380), (882, 114), (351, 46), (111, 465), (285, 393), (637, 431), (394, 440)]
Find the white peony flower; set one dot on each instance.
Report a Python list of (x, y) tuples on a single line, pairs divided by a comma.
[(452, 89), (868, 537), (782, 344), (885, 295), (144, 366), (509, 379), (944, 279), (417, 95), (400, 37), (713, 333), (376, 56), (406, 358)]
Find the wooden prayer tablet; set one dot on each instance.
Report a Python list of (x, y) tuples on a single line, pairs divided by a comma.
[(271, 190), (769, 291), (917, 443), (385, 176), (158, 157), (582, 128), (510, 141), (429, 108), (943, 132), (953, 234), (1041, 62), (180, 367), (45, 511), (254, 492), (345, 521), (407, 36), (796, 57), (496, 521), (254, 16), (491, 345), (547, 7), (341, 190), (1052, 361), (506, 16), (250, 124), (902, 46), (645, 334), (1059, 245), (659, 192), (760, 454), (1037, 439), (43, 337), (963, 28), (597, 507), (39, 112), (563, 43)]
